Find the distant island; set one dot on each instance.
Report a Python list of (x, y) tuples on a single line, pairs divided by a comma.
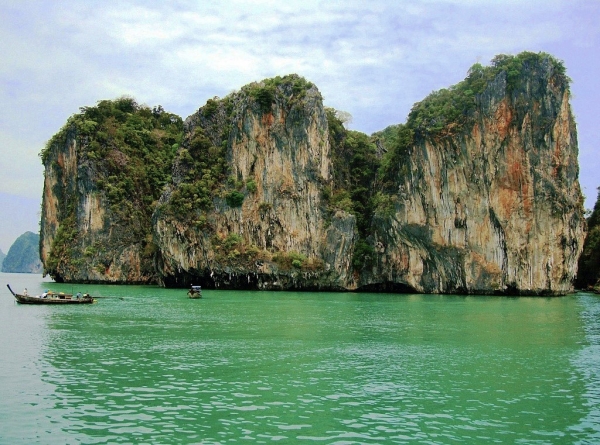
[(24, 255), (476, 193)]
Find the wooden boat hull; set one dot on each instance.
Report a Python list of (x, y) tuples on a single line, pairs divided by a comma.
[(195, 292), (51, 299), (26, 299)]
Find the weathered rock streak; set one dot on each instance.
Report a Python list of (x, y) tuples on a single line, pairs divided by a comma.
[(495, 209)]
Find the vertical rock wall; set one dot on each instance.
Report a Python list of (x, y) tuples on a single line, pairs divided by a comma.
[(101, 173), (80, 240), (496, 208), (282, 149)]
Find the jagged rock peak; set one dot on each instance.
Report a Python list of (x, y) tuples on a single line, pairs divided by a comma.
[(247, 186)]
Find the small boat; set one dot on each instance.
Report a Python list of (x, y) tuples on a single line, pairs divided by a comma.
[(50, 297), (195, 292)]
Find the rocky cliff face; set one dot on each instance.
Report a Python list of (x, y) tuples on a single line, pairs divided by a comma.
[(82, 240), (476, 193), (103, 170), (496, 207), (265, 225)]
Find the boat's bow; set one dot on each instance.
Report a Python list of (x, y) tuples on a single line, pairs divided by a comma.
[(11, 291)]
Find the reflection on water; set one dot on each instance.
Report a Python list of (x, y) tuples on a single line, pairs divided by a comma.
[(157, 367)]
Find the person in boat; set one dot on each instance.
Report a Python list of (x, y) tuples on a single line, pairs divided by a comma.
[(45, 294), (194, 290), (25, 292)]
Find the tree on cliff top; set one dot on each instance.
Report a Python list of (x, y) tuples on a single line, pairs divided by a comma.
[(445, 111)]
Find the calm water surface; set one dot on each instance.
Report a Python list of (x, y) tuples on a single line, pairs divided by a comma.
[(148, 365)]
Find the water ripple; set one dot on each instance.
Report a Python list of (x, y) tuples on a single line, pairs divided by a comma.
[(337, 369)]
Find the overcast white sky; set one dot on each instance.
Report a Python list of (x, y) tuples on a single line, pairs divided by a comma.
[(373, 59)]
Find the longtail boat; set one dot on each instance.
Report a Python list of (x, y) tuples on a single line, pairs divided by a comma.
[(50, 297), (195, 292)]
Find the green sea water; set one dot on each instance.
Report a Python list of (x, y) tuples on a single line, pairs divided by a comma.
[(147, 365)]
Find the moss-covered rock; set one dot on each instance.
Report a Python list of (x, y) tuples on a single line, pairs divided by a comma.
[(104, 172)]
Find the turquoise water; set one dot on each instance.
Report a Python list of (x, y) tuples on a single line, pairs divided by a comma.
[(149, 365)]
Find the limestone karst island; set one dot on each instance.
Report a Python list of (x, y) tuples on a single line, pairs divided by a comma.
[(477, 192)]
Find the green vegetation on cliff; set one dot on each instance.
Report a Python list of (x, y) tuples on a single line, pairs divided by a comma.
[(354, 165), (450, 111), (446, 111), (201, 165), (588, 274), (202, 170), (366, 181), (126, 152), (264, 93)]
